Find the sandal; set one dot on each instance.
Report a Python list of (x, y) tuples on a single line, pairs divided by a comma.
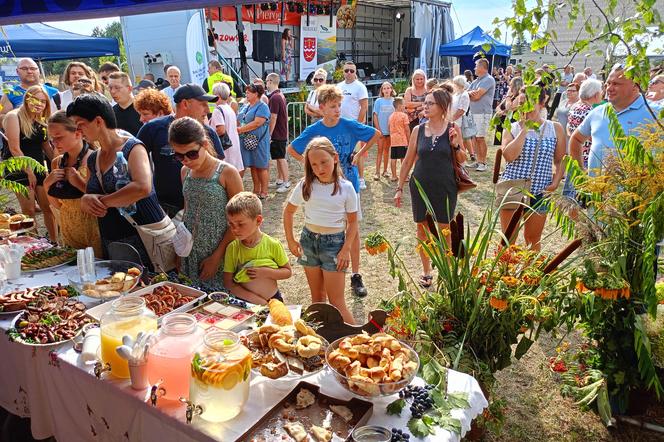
[(385, 174), (262, 196), (376, 177), (394, 180), (425, 281)]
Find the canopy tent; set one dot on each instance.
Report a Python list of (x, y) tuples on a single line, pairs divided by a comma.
[(469, 44), (43, 42), (27, 11)]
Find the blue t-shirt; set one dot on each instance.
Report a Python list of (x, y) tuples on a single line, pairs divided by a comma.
[(596, 125), (345, 135), (15, 95), (384, 107), (167, 181)]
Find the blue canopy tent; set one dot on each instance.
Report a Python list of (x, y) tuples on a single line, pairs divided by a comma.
[(468, 45), (43, 42)]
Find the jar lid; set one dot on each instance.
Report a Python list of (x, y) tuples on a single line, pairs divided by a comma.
[(371, 433)]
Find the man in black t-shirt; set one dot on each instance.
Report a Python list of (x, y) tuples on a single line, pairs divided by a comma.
[(191, 101), (120, 88)]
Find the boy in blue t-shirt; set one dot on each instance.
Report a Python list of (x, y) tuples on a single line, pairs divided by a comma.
[(344, 135)]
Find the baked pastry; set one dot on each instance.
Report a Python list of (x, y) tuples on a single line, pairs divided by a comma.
[(321, 434), (308, 346), (27, 223), (17, 217), (343, 412), (5, 232), (274, 371), (296, 431), (279, 312), (304, 399)]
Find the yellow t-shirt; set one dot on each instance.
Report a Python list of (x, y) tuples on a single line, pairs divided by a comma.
[(237, 254)]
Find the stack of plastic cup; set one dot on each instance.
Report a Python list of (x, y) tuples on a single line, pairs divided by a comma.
[(10, 255)]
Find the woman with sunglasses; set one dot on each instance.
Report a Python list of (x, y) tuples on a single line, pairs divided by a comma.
[(432, 148), (311, 106), (26, 133), (255, 138), (95, 118), (207, 185), (570, 97), (66, 184)]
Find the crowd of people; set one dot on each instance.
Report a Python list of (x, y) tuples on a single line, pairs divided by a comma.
[(123, 159)]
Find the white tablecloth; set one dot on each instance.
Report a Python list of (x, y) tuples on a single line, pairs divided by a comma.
[(63, 398)]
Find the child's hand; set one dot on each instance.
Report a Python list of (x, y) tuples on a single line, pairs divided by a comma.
[(295, 248), (258, 272), (343, 259)]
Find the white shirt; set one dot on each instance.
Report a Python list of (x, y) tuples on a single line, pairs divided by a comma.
[(460, 101), (233, 154), (66, 98), (170, 92), (353, 93), (312, 99), (324, 209)]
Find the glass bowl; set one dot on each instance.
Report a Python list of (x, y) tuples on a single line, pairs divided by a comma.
[(112, 279), (372, 389)]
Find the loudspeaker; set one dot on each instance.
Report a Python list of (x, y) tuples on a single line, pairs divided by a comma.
[(410, 47), (267, 46)]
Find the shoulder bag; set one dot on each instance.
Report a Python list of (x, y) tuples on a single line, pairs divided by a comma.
[(510, 194), (468, 128), (251, 141), (461, 176), (157, 238), (226, 142)]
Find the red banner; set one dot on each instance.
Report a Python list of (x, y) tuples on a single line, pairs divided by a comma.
[(264, 17)]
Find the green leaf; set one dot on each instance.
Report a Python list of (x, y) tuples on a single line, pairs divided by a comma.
[(449, 423), (419, 429), (538, 43), (395, 407), (430, 373), (522, 347)]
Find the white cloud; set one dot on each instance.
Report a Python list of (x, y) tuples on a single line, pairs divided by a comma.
[(83, 27)]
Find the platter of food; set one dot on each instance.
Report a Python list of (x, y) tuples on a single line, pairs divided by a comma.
[(162, 298), (221, 315), (372, 365), (16, 301), (48, 322), (47, 258), (112, 279), (15, 224), (288, 352), (305, 414)]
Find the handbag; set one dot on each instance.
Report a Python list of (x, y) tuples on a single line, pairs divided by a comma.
[(157, 238), (510, 194), (468, 128), (63, 189), (226, 142), (461, 176), (251, 141)]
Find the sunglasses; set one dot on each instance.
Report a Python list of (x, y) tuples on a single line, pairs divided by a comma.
[(319, 80), (349, 71), (191, 155)]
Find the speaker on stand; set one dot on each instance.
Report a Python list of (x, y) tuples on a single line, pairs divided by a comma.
[(267, 47), (410, 49)]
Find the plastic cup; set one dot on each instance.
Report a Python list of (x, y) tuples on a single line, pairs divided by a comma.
[(13, 269)]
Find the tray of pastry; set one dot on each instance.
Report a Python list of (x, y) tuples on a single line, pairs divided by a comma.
[(307, 415)]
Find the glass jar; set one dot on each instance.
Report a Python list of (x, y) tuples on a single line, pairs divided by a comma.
[(127, 317), (220, 372), (169, 358)]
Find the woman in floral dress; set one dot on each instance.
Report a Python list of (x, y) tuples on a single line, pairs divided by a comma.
[(208, 184)]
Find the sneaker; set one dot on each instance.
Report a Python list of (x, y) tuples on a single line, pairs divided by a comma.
[(357, 285), (363, 184), (481, 167), (284, 187), (277, 183), (473, 164)]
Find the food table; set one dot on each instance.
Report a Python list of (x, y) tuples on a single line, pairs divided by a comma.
[(64, 399)]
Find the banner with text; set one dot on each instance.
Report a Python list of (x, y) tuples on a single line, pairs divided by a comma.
[(196, 49), (318, 45), (227, 43)]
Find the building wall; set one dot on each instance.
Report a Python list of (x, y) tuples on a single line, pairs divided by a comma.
[(568, 36)]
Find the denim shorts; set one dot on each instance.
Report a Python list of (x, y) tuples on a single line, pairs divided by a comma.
[(539, 204), (321, 250)]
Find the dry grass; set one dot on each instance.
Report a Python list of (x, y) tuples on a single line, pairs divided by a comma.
[(535, 409)]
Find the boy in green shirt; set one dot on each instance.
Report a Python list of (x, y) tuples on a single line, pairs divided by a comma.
[(254, 261)]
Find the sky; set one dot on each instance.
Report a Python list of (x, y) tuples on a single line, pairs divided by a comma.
[(465, 14)]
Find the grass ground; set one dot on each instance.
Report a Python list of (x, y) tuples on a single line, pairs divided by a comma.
[(535, 410)]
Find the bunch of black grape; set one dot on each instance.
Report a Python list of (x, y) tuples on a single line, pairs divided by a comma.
[(421, 399), (399, 436)]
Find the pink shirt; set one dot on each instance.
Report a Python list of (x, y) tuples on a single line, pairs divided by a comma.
[(399, 129)]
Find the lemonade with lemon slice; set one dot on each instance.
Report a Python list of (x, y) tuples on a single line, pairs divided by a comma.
[(220, 372)]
